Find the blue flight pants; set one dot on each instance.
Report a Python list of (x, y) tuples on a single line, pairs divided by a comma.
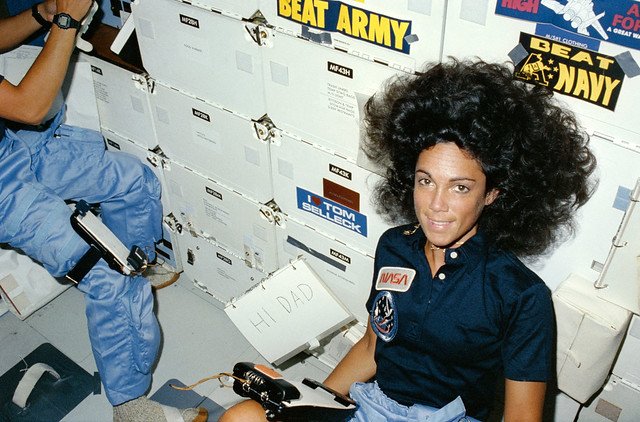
[(39, 170), (375, 406)]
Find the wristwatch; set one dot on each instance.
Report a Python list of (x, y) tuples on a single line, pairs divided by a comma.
[(38, 17), (65, 21)]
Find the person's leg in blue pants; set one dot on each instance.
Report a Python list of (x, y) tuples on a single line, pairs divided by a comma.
[(38, 172)]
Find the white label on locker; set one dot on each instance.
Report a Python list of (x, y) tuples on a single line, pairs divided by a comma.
[(341, 100), (201, 114), (260, 232), (216, 212), (144, 27), (340, 172), (203, 132), (101, 90), (195, 47), (340, 70)]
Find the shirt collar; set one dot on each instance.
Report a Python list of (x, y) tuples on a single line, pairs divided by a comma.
[(470, 252)]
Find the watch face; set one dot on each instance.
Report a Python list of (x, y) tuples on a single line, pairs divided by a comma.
[(64, 21)]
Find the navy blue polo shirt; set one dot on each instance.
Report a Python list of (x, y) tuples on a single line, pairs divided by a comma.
[(484, 317)]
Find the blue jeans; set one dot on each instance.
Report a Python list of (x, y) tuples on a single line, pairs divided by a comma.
[(375, 406), (39, 170)]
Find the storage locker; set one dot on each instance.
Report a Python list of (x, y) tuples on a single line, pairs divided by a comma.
[(319, 99), (210, 210), (234, 8), (618, 402), (326, 192), (214, 269), (219, 144), (346, 272), (123, 101), (585, 252), (212, 56)]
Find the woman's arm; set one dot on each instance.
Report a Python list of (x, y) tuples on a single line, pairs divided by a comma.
[(357, 365), (523, 401), (30, 100)]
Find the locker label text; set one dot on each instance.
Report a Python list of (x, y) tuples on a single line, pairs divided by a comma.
[(201, 114), (340, 70), (189, 21)]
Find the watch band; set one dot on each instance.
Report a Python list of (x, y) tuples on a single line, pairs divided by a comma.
[(38, 17)]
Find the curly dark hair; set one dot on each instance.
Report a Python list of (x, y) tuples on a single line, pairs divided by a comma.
[(529, 148)]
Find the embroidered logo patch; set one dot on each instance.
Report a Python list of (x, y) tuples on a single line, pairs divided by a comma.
[(384, 316), (397, 279)]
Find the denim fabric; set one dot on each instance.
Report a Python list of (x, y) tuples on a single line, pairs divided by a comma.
[(375, 406), (39, 170)]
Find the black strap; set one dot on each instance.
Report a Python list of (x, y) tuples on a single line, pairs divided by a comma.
[(84, 265), (38, 17)]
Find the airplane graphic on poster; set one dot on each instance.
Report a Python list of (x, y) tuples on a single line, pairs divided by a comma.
[(580, 13)]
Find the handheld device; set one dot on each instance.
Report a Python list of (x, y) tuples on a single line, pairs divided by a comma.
[(290, 401), (102, 244)]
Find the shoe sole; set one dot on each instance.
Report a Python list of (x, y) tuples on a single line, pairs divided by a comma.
[(166, 283)]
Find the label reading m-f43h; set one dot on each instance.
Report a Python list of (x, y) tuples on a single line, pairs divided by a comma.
[(583, 74), (332, 211)]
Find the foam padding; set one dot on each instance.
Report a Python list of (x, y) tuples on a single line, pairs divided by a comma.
[(50, 399), (183, 399)]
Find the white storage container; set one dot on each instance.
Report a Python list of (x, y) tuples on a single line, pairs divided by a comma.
[(326, 192), (219, 144), (319, 99), (212, 211), (207, 54)]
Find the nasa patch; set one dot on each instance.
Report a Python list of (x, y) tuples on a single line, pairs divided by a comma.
[(397, 279), (384, 320)]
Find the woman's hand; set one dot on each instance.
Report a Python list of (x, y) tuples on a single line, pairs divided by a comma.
[(76, 8), (48, 9)]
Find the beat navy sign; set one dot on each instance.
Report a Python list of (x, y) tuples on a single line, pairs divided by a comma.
[(332, 211), (589, 76)]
